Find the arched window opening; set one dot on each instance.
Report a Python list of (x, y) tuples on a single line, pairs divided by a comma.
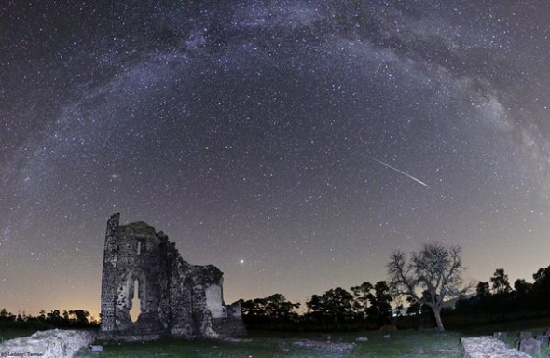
[(136, 303)]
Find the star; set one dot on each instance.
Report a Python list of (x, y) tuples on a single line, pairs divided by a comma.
[(275, 131)]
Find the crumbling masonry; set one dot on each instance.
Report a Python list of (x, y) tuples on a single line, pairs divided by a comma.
[(177, 299)]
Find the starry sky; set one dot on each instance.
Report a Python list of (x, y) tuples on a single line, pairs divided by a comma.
[(293, 144)]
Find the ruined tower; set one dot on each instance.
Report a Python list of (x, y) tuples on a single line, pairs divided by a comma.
[(175, 298)]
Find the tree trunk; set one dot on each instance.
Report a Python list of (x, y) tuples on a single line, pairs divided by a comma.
[(437, 315)]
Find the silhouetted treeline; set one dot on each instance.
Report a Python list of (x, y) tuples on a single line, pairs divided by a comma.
[(496, 301), (369, 306), (52, 319), (366, 306)]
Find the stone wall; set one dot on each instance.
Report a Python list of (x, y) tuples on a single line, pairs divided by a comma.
[(232, 325), (229, 327), (176, 298), (214, 301), (234, 310), (108, 289)]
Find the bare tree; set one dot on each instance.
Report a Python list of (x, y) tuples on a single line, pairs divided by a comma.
[(436, 269)]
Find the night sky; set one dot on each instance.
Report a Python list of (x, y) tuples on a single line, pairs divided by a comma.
[(293, 144)]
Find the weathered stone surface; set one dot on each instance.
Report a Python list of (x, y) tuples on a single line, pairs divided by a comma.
[(530, 346), (361, 339), (96, 348), (176, 298), (525, 335), (325, 346), (488, 347), (55, 343)]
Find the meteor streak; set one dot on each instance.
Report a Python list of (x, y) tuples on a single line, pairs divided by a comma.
[(402, 172)]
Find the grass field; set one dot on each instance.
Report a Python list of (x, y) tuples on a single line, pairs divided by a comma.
[(411, 343), (275, 344), (270, 344)]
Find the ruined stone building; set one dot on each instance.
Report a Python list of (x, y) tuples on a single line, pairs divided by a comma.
[(176, 298)]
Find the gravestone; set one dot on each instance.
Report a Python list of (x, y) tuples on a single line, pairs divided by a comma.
[(546, 336), (530, 346), (543, 340)]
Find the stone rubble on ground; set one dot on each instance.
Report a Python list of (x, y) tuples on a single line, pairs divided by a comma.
[(53, 343), (96, 348), (235, 340), (324, 346), (488, 347)]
